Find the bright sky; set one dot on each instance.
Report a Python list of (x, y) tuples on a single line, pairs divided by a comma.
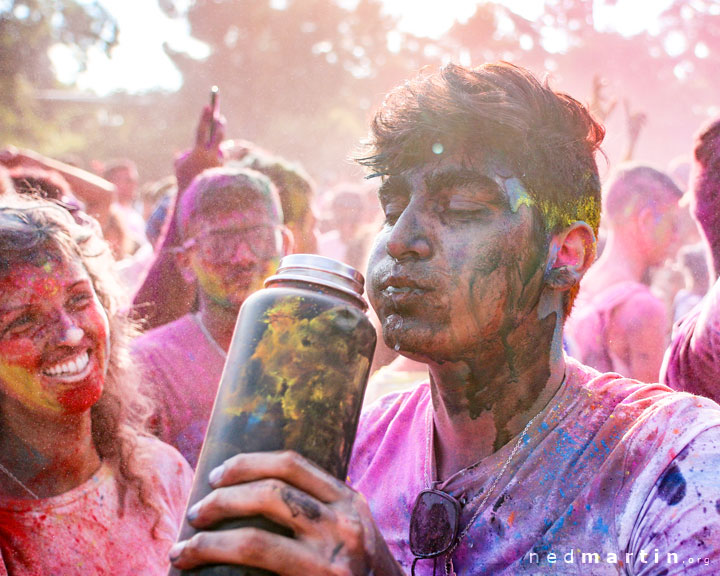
[(139, 63)]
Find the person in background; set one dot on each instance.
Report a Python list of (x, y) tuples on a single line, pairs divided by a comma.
[(344, 219), (618, 324), (124, 175), (692, 361), (164, 295), (296, 190), (96, 194), (231, 235), (692, 261), (512, 456), (84, 489)]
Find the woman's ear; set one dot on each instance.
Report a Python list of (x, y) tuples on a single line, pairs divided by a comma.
[(571, 253)]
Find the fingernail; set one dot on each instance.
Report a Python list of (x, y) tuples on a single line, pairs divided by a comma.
[(176, 550), (216, 474), (193, 512)]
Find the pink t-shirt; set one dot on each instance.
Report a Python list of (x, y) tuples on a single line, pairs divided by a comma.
[(81, 533), (586, 328), (623, 472), (692, 362), (182, 370)]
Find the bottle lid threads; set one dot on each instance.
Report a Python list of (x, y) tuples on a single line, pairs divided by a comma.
[(320, 270)]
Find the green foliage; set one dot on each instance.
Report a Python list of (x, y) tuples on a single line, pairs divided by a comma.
[(28, 29), (297, 77)]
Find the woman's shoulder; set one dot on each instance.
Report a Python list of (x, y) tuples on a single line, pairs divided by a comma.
[(167, 467)]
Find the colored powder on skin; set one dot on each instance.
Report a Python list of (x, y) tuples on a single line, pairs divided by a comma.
[(24, 386), (81, 397), (517, 194)]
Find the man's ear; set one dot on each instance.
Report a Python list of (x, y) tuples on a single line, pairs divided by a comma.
[(288, 241), (184, 265), (571, 253), (645, 222)]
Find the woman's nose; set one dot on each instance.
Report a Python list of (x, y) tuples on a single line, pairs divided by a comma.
[(69, 333)]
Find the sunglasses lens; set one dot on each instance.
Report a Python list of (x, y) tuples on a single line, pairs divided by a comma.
[(433, 524)]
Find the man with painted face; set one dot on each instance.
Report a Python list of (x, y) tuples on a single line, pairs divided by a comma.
[(231, 235), (512, 458)]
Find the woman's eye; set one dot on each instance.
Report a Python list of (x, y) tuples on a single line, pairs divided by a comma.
[(80, 300), (19, 326)]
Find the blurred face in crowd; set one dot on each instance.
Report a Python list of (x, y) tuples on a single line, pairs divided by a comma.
[(663, 223), (125, 179), (53, 339), (230, 253)]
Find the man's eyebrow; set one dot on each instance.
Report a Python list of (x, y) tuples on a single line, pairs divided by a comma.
[(454, 177), (393, 187)]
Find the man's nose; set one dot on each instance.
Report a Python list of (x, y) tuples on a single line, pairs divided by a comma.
[(409, 238), (243, 251)]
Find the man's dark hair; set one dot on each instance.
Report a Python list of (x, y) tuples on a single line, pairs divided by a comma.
[(548, 138)]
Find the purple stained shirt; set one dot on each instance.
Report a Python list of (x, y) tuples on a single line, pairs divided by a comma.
[(182, 371), (614, 477)]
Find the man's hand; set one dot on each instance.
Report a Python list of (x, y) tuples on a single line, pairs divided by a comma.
[(334, 531), (206, 153)]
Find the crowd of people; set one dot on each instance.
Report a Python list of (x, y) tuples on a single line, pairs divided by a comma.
[(542, 401)]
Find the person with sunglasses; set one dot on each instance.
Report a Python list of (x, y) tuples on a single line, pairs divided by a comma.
[(231, 238), (513, 458)]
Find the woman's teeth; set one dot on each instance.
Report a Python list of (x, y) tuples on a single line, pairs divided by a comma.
[(69, 367)]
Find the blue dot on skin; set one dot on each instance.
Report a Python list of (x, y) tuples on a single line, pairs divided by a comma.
[(438, 148)]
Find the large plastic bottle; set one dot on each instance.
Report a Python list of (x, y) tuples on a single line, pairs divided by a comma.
[(294, 378)]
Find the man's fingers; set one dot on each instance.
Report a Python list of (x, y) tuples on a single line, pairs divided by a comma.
[(249, 547), (287, 466), (203, 129), (271, 498)]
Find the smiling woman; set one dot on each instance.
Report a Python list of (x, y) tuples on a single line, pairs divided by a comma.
[(75, 465)]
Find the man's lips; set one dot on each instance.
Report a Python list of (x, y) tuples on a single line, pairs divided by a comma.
[(401, 288)]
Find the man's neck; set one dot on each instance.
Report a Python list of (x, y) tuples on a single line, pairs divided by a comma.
[(219, 322), (621, 261), (482, 404)]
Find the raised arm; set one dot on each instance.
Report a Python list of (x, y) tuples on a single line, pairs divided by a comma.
[(96, 192), (164, 295)]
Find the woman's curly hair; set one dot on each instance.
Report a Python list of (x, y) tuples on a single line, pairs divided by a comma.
[(33, 229)]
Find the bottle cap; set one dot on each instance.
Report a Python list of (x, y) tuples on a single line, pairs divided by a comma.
[(320, 270)]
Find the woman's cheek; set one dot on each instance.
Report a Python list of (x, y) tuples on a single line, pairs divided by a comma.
[(20, 352)]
